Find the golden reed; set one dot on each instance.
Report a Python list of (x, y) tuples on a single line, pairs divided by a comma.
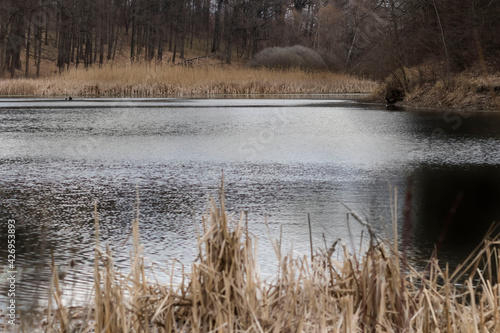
[(160, 81), (373, 291)]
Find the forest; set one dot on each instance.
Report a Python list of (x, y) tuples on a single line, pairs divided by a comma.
[(367, 37)]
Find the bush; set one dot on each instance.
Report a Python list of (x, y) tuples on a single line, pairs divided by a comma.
[(288, 57)]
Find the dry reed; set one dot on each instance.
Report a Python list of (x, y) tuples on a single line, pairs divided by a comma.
[(376, 291), (157, 81)]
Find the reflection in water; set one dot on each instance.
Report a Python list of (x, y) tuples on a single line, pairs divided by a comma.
[(281, 159), (455, 206)]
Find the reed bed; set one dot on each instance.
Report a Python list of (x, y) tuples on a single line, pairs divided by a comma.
[(157, 81), (375, 290)]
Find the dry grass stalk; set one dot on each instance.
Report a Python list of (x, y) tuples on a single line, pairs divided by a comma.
[(374, 292), (143, 80)]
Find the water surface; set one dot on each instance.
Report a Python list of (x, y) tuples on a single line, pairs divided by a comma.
[(281, 159)]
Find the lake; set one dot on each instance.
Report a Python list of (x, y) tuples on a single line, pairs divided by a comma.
[(281, 160)]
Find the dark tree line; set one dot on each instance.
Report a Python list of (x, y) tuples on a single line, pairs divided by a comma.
[(368, 36)]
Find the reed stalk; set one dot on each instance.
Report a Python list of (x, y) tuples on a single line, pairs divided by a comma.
[(373, 291)]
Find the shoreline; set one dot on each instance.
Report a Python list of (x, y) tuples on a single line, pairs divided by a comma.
[(350, 96), (420, 107), (469, 92), (364, 98), (472, 90)]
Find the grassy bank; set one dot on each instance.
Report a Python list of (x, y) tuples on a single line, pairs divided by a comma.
[(465, 91), (157, 81), (474, 89), (335, 291)]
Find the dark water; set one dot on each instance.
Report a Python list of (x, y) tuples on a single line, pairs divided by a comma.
[(281, 160)]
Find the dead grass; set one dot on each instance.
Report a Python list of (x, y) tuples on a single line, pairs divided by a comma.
[(373, 291), (168, 80), (467, 91), (474, 89)]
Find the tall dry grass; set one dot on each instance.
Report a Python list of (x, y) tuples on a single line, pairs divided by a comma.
[(154, 81), (373, 291), (428, 86)]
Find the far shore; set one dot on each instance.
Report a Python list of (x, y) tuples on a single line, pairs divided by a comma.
[(470, 91), (350, 96)]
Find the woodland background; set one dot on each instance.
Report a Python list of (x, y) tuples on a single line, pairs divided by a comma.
[(368, 37)]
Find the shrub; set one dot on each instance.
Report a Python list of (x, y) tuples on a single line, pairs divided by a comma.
[(288, 57)]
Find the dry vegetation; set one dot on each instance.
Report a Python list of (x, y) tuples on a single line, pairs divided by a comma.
[(466, 91), (167, 80), (288, 57), (373, 291), (426, 86)]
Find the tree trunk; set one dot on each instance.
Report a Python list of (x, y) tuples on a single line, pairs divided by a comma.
[(39, 56), (216, 41), (175, 48), (95, 47), (228, 50), (115, 43), (171, 36), (2, 45), (160, 45), (111, 39), (101, 46), (132, 40), (28, 44)]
